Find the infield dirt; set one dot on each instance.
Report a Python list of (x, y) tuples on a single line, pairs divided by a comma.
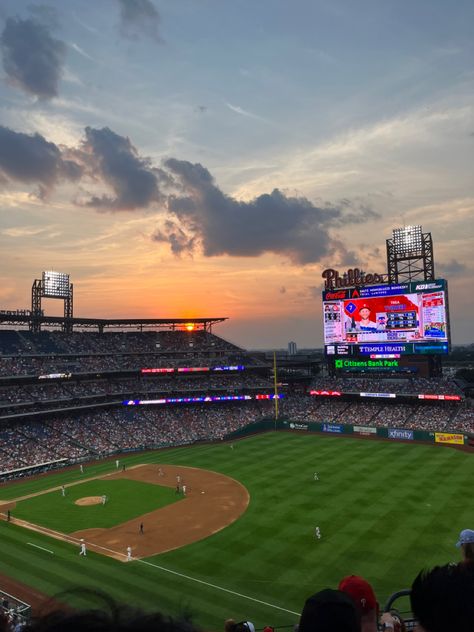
[(212, 502)]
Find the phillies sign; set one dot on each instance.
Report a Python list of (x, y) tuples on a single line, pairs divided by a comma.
[(353, 276)]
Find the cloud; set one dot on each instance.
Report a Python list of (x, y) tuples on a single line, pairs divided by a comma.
[(176, 237), (81, 52), (451, 268), (32, 58), (113, 159), (26, 231), (290, 226), (139, 17), (238, 110), (31, 158)]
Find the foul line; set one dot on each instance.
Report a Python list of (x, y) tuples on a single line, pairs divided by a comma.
[(93, 546), (40, 547), (231, 592)]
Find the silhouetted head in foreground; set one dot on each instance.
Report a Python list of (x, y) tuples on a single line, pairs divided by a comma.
[(108, 617), (443, 598)]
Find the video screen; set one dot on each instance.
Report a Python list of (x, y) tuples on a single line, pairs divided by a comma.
[(411, 313)]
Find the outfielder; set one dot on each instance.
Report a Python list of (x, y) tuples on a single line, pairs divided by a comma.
[(317, 533)]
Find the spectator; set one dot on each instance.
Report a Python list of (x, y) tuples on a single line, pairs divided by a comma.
[(466, 544), (329, 611), (109, 617), (442, 598), (364, 598)]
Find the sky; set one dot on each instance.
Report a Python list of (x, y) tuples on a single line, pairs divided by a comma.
[(201, 158)]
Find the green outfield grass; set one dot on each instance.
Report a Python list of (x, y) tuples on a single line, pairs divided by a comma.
[(126, 499), (385, 510)]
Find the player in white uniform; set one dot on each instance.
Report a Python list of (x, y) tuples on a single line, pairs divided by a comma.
[(83, 550), (117, 464), (63, 490), (129, 553), (104, 499), (183, 489), (316, 477), (317, 533)]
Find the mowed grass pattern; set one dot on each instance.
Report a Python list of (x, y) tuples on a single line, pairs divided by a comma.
[(385, 510), (126, 499)]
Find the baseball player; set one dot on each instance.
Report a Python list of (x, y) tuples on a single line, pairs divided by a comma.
[(83, 549), (129, 553), (63, 490), (183, 488), (81, 468), (178, 479), (117, 464), (316, 477), (141, 529), (317, 533), (160, 472), (104, 499)]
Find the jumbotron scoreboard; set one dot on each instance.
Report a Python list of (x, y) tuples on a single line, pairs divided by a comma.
[(406, 318)]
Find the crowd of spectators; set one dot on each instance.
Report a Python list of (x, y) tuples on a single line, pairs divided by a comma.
[(102, 432), (26, 353), (440, 417), (399, 386), (102, 429)]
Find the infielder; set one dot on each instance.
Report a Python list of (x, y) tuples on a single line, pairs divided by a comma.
[(83, 550), (183, 488), (129, 553)]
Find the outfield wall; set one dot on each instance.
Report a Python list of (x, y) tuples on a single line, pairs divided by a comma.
[(397, 434)]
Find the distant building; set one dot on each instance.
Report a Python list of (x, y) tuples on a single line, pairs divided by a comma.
[(292, 348)]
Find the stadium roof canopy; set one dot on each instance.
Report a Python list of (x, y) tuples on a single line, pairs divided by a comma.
[(24, 318)]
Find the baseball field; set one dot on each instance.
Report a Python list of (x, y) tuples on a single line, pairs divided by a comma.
[(241, 542)]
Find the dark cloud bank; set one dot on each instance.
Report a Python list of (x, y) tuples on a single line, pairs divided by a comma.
[(195, 213), (31, 158), (32, 58)]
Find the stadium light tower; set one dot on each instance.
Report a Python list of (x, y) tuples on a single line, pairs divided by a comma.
[(410, 255), (51, 285)]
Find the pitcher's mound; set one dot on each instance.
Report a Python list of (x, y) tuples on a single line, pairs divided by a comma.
[(89, 500)]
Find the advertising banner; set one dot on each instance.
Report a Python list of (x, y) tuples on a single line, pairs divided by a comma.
[(445, 437), (400, 433), (332, 428), (296, 426), (365, 430)]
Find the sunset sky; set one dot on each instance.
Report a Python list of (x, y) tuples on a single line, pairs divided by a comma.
[(184, 158)]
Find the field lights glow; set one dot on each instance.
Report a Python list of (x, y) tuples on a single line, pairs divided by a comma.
[(408, 240), (56, 284)]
